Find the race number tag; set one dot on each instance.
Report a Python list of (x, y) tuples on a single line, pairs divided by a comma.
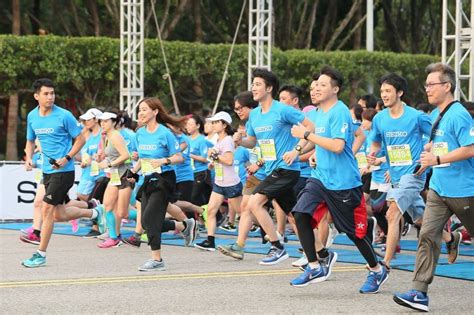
[(85, 158), (94, 168), (192, 164), (399, 155), (268, 149), (255, 154), (440, 149), (114, 177), (361, 159), (219, 171), (38, 176), (148, 169)]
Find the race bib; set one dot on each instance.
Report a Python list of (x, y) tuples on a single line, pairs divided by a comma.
[(361, 159), (85, 158), (399, 155), (94, 168), (254, 155), (114, 177), (219, 171), (148, 169), (440, 149), (38, 176), (192, 164), (267, 146)]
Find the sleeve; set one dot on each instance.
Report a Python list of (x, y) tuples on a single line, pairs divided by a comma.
[(72, 125), (172, 143), (30, 133), (227, 144), (424, 122), (248, 126), (375, 134), (464, 129), (203, 146), (291, 115), (133, 142), (340, 125)]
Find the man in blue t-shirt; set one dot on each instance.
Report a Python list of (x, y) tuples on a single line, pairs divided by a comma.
[(55, 128), (269, 125), (335, 183), (450, 152)]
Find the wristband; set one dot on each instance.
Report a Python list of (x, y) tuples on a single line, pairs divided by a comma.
[(260, 163), (168, 161), (306, 135), (109, 164), (67, 157), (438, 160)]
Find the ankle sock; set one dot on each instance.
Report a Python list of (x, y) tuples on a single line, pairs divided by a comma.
[(277, 244), (37, 233)]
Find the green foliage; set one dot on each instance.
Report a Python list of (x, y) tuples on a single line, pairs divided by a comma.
[(88, 68)]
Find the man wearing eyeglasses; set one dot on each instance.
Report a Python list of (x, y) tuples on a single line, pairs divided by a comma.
[(450, 152)]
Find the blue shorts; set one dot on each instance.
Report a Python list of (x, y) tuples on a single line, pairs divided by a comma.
[(406, 194), (228, 192), (85, 187)]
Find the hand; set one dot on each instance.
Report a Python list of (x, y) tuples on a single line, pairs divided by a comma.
[(364, 171), (298, 131), (60, 163), (421, 170), (155, 163), (312, 161), (135, 155), (428, 146), (290, 156), (237, 137), (103, 164), (372, 159), (427, 159), (252, 169), (211, 151), (28, 165), (387, 177)]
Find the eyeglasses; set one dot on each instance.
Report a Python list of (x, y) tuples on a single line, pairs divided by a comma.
[(430, 85), (238, 109)]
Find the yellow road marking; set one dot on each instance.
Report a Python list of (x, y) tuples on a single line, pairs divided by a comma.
[(161, 277)]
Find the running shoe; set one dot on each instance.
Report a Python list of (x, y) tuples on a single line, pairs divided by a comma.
[(31, 238), (132, 241), (205, 245), (232, 250), (74, 225), (27, 231), (274, 256), (92, 234), (302, 261), (153, 265), (203, 215), (101, 222), (144, 238), (333, 233), (466, 237), (329, 262), (229, 227), (255, 228), (110, 242), (35, 261), (453, 247), (406, 228), (310, 275), (413, 299), (374, 281), (190, 232), (103, 236)]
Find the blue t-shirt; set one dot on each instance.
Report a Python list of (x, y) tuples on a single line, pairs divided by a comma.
[(55, 133), (199, 146), (90, 148), (130, 139), (156, 145), (335, 171), (378, 172), (401, 138), (273, 132), (455, 130), (184, 171), (241, 156), (37, 160)]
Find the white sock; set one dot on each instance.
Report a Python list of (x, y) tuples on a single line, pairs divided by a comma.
[(43, 254), (95, 214)]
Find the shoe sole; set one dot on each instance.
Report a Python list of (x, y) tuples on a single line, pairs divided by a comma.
[(131, 244), (205, 248), (25, 240), (457, 251), (312, 281), (411, 305), (282, 258), (150, 270), (229, 253), (35, 266)]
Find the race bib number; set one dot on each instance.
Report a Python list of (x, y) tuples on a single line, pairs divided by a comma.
[(267, 146), (399, 155), (114, 177), (440, 149), (94, 168), (219, 171), (85, 158), (361, 159), (38, 176), (148, 169)]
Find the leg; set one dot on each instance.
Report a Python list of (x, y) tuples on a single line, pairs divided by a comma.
[(245, 223), (394, 216), (280, 217), (256, 203), (176, 212), (214, 203), (37, 205), (234, 204)]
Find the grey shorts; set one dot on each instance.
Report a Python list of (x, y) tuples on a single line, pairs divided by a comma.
[(406, 194)]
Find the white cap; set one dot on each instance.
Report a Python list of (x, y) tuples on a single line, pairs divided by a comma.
[(221, 116), (107, 115), (91, 113)]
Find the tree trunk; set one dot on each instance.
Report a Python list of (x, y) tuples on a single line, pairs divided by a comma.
[(329, 17), (94, 12), (393, 35), (358, 32), (343, 25), (16, 18), (311, 25), (198, 34), (35, 17), (177, 16)]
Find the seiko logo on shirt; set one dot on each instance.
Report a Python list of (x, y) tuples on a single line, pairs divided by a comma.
[(264, 128), (396, 134), (439, 132), (319, 129), (146, 147), (344, 128), (44, 131), (93, 147), (472, 132)]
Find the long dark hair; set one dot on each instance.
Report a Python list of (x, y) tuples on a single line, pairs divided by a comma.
[(163, 117)]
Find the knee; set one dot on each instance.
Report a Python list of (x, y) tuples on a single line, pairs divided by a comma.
[(393, 215)]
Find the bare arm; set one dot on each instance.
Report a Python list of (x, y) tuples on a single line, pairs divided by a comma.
[(359, 140)]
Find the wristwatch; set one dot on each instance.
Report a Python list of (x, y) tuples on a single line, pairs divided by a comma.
[(68, 157), (168, 161), (298, 148)]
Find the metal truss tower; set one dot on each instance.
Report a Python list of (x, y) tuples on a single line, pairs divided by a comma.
[(260, 36), (131, 55), (458, 44)]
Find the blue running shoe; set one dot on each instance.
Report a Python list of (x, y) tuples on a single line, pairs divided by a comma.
[(374, 281), (101, 223), (274, 256), (329, 262), (35, 261), (413, 299), (310, 275)]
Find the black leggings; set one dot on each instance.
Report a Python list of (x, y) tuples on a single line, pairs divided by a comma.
[(306, 235), (155, 198), (202, 188)]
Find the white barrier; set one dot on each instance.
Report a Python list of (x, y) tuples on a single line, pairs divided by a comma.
[(18, 190)]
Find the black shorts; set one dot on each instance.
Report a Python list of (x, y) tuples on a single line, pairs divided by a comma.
[(57, 186), (347, 207), (184, 190), (99, 189), (378, 201), (279, 186), (366, 179), (299, 186)]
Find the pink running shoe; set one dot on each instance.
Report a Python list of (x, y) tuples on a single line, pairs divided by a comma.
[(110, 242), (74, 225), (30, 238), (27, 231)]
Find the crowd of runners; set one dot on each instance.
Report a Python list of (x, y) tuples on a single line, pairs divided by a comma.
[(370, 170)]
